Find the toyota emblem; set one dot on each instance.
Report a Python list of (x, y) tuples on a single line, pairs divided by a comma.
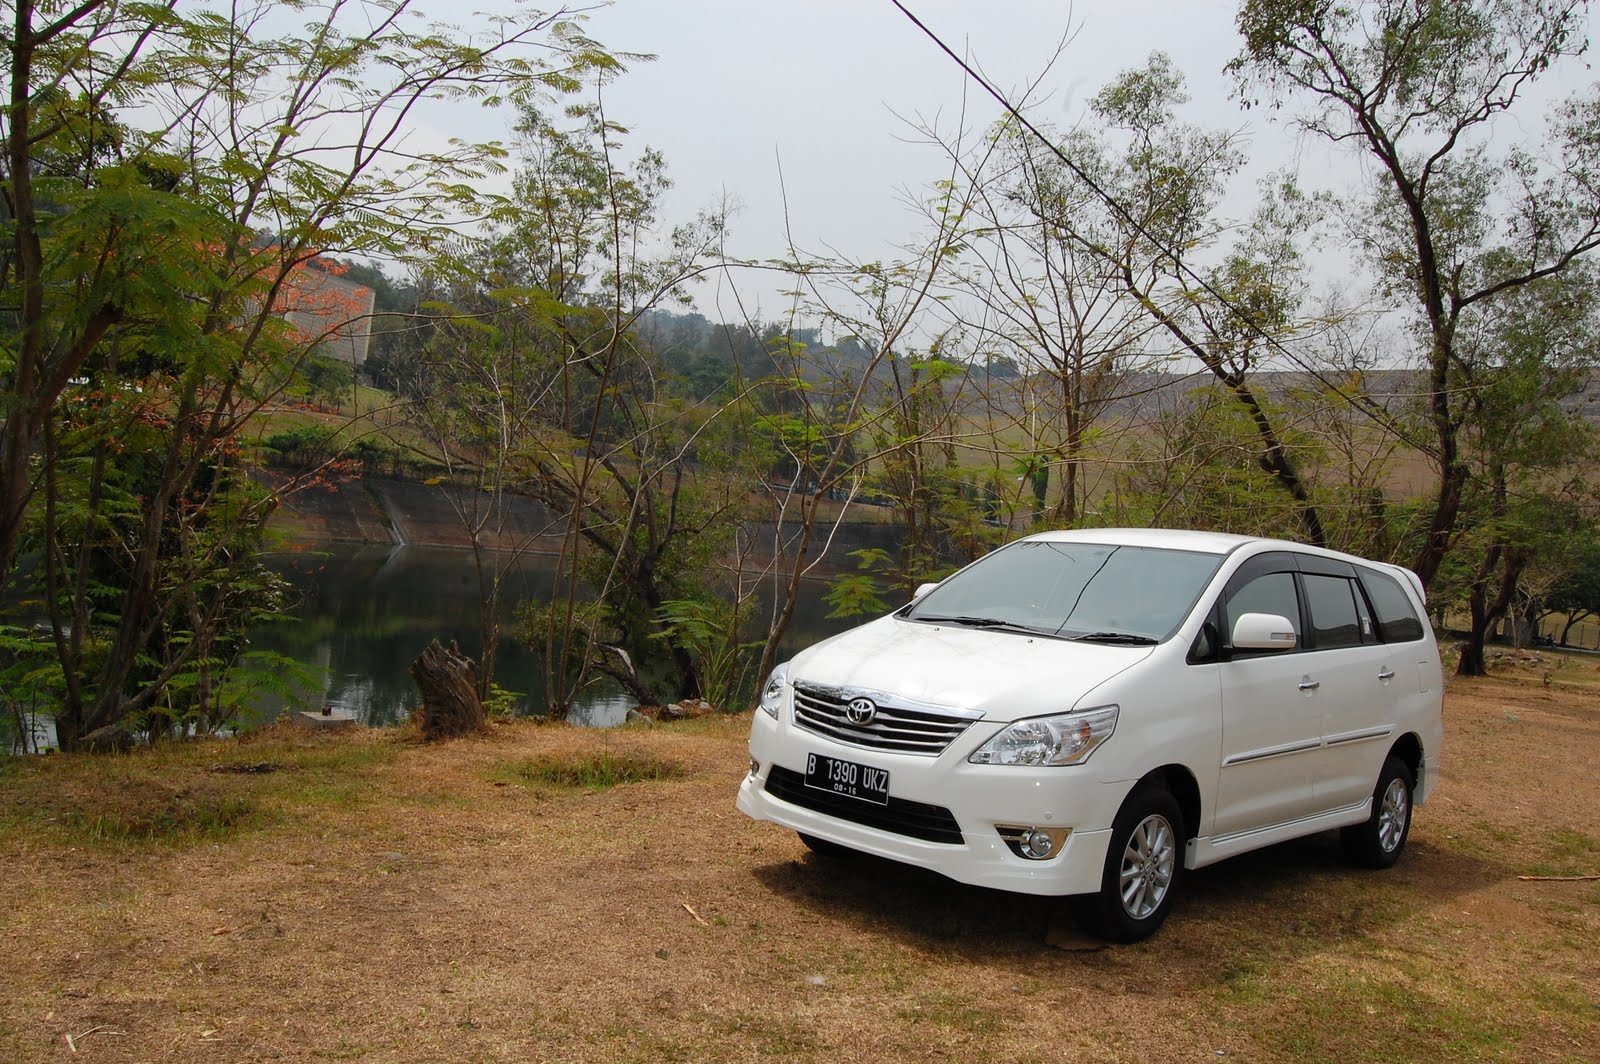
[(860, 711)]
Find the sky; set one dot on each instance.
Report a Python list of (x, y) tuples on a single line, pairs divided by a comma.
[(804, 112)]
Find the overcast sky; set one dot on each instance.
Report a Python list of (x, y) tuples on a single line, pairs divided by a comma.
[(809, 99)]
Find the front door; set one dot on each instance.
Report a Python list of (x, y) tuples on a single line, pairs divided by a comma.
[(1270, 713)]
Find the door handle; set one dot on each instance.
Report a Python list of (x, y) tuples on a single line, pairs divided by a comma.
[(1386, 675), (1308, 684)]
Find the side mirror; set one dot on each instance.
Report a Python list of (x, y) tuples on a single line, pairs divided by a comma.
[(923, 589), (1263, 631)]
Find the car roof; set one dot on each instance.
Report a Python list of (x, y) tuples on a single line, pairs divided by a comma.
[(1172, 538), (1216, 543)]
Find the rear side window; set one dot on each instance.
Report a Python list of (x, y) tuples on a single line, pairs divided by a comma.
[(1335, 620), (1397, 619)]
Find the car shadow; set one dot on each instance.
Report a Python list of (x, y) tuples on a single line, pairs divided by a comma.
[(1284, 900), (913, 904)]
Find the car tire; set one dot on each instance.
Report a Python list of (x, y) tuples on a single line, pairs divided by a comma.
[(1378, 841), (1144, 862), (824, 848)]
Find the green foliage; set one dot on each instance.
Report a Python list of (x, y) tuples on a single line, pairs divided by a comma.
[(501, 704), (591, 772), (159, 249), (708, 628), (184, 818), (31, 684), (535, 382), (242, 681), (327, 379), (1576, 591), (853, 594), (300, 448), (1200, 468)]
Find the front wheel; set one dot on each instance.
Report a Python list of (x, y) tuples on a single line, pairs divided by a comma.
[(1143, 864), (1378, 841)]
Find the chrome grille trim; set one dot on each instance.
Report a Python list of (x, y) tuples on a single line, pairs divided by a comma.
[(901, 725)]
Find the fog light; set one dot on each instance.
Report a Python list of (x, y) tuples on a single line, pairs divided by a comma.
[(1034, 844), (1037, 844), (755, 767)]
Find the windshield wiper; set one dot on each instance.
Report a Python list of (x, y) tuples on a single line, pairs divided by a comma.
[(983, 622), (1126, 638)]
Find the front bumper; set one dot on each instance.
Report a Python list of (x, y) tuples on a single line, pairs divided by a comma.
[(979, 798)]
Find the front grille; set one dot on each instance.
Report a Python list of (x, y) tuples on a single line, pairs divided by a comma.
[(895, 726), (931, 823)]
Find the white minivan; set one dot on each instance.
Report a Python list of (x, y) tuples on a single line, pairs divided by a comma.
[(1090, 713)]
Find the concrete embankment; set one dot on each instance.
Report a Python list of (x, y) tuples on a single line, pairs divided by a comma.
[(382, 510)]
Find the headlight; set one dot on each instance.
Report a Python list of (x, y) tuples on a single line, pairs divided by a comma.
[(1067, 739), (772, 692)]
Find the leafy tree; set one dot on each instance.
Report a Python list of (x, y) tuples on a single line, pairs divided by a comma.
[(1194, 464), (1074, 339), (1451, 224), (1139, 200), (538, 384), (832, 398), (327, 378), (168, 178), (1576, 591), (914, 437), (1531, 349)]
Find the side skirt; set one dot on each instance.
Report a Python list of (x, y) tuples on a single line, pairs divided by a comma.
[(1201, 852)]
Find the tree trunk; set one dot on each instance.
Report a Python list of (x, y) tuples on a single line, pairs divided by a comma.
[(1487, 612), (449, 684), (1447, 505), (1472, 661)]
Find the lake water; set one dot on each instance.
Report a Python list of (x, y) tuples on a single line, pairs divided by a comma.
[(364, 614)]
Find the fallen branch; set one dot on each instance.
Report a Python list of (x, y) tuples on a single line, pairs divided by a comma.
[(1560, 879), (626, 675), (696, 915)]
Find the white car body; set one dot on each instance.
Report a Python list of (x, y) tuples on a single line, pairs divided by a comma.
[(1257, 747)]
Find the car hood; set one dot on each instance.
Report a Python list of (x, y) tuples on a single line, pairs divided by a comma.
[(1006, 675)]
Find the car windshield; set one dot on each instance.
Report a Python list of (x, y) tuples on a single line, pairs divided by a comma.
[(1095, 592)]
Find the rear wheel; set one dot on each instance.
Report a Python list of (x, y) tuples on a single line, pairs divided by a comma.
[(1378, 842), (1143, 865)]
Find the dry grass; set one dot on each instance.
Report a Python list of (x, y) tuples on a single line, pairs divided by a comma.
[(380, 900)]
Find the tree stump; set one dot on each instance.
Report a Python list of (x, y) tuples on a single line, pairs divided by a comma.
[(449, 683)]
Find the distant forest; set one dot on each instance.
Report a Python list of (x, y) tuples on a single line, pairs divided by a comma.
[(696, 357)]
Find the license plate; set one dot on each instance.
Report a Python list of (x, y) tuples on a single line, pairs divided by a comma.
[(848, 778)]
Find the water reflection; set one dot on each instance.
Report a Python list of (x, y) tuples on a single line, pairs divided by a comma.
[(363, 614)]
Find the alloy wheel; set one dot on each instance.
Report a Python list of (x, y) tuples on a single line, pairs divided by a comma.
[(1148, 863), (1393, 814)]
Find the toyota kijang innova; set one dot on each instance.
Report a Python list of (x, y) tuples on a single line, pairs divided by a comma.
[(1091, 713)]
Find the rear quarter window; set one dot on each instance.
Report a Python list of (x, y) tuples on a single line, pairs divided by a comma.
[(1397, 618)]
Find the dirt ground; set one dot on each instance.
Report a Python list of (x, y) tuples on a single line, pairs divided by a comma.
[(405, 903)]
